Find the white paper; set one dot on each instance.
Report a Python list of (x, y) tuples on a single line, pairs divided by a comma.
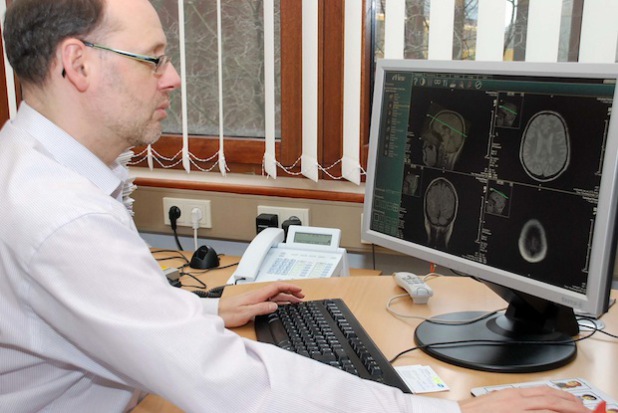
[(421, 379)]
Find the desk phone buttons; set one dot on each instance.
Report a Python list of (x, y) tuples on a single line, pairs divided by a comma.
[(414, 285)]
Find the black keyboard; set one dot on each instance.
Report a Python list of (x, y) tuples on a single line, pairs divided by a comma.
[(327, 331)]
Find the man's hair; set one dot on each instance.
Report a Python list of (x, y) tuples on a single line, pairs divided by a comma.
[(33, 29)]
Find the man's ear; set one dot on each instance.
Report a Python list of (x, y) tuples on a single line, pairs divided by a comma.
[(74, 63)]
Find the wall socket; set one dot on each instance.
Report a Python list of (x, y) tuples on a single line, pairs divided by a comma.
[(284, 213), (186, 206)]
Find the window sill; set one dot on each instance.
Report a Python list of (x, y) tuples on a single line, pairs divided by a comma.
[(249, 184)]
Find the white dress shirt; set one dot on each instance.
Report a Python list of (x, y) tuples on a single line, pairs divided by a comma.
[(88, 320)]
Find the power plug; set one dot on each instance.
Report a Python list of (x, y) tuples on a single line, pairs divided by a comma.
[(174, 213), (196, 217)]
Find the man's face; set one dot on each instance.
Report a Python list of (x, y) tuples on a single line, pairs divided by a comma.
[(131, 99)]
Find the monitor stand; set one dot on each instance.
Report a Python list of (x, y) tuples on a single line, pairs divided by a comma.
[(533, 335)]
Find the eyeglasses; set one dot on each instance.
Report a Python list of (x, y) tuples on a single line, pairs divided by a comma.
[(160, 62)]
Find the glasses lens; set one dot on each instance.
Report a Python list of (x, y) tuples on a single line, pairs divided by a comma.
[(161, 64)]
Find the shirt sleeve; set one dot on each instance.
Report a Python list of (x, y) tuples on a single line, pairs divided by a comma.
[(211, 305), (123, 322)]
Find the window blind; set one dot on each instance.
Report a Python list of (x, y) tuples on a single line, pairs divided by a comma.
[(599, 36), (441, 21), (309, 157), (353, 55), (543, 34), (598, 41), (270, 161), (490, 30)]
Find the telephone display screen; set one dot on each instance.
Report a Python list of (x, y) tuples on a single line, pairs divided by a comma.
[(313, 238)]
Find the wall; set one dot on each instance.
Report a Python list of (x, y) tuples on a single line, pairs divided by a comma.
[(233, 215), (233, 218)]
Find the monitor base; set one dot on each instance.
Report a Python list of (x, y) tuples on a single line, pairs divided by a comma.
[(511, 351)]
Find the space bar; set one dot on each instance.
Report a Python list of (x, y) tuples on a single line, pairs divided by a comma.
[(278, 333)]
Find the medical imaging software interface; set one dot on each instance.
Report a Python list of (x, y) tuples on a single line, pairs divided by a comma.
[(500, 170)]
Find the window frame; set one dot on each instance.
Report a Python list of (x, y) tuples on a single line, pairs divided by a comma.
[(245, 155)]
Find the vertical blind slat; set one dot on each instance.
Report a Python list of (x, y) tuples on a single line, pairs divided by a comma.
[(441, 23), (149, 158), (599, 33), (543, 34), (186, 164), (353, 33), (222, 164), (270, 163), (394, 29), (309, 157), (490, 30)]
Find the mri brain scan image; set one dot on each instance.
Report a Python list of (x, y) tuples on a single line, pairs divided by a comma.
[(443, 139), (441, 204), (533, 242), (545, 146)]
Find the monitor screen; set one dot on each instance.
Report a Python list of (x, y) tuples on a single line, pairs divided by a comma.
[(507, 172)]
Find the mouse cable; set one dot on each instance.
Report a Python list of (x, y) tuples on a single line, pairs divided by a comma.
[(202, 285), (193, 273), (593, 326), (175, 256)]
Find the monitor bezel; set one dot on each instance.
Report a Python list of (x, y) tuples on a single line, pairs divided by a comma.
[(595, 301)]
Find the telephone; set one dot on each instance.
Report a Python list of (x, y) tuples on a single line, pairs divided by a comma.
[(309, 252)]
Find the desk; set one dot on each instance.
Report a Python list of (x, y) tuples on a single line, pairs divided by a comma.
[(367, 296)]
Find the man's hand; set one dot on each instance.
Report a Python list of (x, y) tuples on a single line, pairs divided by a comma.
[(240, 309), (534, 399)]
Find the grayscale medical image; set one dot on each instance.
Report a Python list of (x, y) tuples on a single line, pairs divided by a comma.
[(443, 139), (441, 204), (545, 146)]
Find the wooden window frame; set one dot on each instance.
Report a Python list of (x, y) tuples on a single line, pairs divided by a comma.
[(245, 155)]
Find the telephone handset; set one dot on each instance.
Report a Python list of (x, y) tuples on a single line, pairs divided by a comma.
[(256, 252), (309, 252)]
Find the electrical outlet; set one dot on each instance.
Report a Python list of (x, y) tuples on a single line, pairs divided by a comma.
[(186, 206), (284, 213)]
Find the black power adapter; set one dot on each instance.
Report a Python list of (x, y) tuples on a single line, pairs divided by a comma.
[(293, 220), (264, 221)]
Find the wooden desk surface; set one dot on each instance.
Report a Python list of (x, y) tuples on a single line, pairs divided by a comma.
[(367, 297)]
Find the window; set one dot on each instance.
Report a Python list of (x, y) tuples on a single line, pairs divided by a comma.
[(530, 30), (243, 62), (466, 17)]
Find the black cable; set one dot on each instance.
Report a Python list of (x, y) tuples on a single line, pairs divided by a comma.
[(175, 256), (594, 327), (192, 274), (373, 255), (214, 292), (174, 214), (202, 284), (495, 343)]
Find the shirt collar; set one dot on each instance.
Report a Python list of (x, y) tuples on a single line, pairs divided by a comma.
[(69, 152)]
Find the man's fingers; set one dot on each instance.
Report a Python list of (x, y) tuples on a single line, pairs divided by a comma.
[(273, 290)]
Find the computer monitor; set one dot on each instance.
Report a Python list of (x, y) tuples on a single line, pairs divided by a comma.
[(506, 172)]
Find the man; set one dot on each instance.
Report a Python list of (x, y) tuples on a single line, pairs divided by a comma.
[(88, 319)]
